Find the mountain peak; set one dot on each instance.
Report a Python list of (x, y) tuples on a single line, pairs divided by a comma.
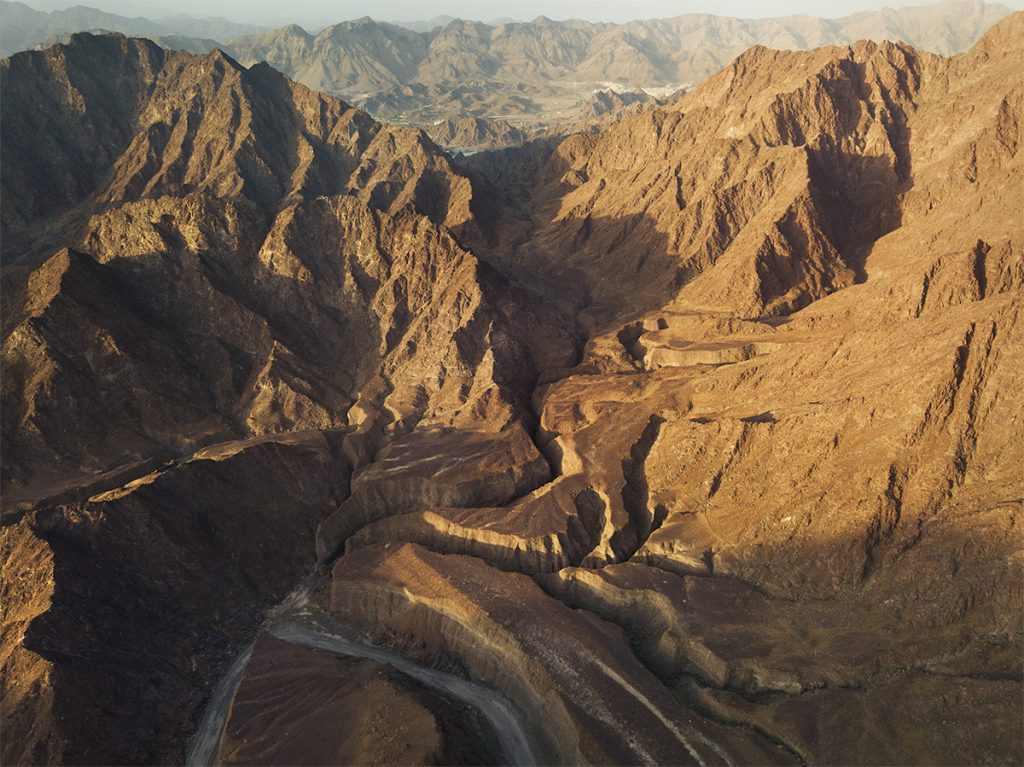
[(220, 56), (1005, 36)]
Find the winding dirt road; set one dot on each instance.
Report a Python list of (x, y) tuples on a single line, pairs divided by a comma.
[(503, 716)]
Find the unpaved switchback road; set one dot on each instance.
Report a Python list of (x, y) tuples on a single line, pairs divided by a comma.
[(504, 718)]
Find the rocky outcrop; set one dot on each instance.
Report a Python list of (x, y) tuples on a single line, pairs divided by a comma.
[(472, 133), (246, 335), (763, 173), (274, 258), (58, 148), (173, 124), (553, 527)]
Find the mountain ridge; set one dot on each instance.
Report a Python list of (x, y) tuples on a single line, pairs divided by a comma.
[(675, 51), (539, 71)]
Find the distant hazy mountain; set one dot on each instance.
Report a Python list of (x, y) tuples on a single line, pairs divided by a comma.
[(539, 72), (363, 55), (427, 74), (444, 20), (426, 26), (23, 27)]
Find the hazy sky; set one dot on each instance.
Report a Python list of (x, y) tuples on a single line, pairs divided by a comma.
[(330, 11)]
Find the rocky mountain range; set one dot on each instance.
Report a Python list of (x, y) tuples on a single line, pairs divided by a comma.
[(693, 440), (365, 55), (541, 71), (23, 27), (539, 74)]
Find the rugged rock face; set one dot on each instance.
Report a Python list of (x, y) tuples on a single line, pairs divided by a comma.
[(171, 124), (771, 158), (474, 133), (696, 437), (270, 278), (607, 107), (429, 468), (586, 697)]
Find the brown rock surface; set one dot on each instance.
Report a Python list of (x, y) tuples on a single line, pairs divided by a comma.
[(552, 527), (243, 262), (430, 468), (209, 269), (173, 123), (796, 669), (471, 133)]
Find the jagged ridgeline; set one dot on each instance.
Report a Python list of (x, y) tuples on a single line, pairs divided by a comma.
[(460, 79), (696, 440)]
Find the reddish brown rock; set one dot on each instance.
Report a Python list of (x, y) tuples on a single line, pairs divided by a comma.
[(129, 604), (553, 527)]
